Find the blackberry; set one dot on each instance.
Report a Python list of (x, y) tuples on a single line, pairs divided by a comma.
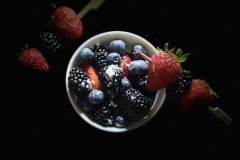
[(106, 113), (177, 89), (111, 76), (79, 82), (100, 56), (135, 104), (140, 82), (49, 41), (111, 93)]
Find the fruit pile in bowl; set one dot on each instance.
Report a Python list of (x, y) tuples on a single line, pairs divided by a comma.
[(108, 82)]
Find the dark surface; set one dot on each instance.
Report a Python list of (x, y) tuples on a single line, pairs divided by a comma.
[(37, 120)]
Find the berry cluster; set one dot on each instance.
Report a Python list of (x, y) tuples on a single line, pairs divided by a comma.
[(119, 96), (65, 25), (112, 86)]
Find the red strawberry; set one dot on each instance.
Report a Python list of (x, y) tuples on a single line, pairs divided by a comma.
[(66, 23), (164, 67), (93, 76), (33, 58), (126, 59), (198, 96)]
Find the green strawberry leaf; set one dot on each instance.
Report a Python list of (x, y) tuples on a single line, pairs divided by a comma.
[(183, 57), (159, 49), (172, 50), (53, 5), (165, 46), (178, 54)]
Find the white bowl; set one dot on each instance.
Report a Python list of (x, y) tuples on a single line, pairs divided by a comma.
[(105, 38)]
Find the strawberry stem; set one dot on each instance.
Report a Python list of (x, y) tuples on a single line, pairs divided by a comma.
[(144, 56)]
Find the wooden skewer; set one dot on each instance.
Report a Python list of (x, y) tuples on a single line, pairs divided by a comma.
[(220, 114), (93, 4)]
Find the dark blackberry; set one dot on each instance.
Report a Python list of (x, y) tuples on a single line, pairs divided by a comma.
[(49, 41), (111, 93), (111, 76), (177, 89), (79, 82), (100, 56), (135, 104), (106, 114), (140, 82)]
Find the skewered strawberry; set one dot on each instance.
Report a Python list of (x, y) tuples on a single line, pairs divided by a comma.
[(164, 68), (66, 23), (198, 96), (33, 58)]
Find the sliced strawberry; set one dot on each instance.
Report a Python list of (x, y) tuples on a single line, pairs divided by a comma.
[(198, 96), (93, 76), (126, 59), (66, 23), (33, 58)]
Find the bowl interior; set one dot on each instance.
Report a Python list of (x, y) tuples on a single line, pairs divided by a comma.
[(105, 38)]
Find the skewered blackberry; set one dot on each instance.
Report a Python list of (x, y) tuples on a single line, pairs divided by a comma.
[(49, 41), (79, 82), (177, 89)]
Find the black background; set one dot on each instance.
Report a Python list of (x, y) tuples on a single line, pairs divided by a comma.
[(37, 120)]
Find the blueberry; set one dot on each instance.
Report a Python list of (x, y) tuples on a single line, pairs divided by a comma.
[(118, 46), (84, 104), (120, 121), (135, 49), (85, 55), (138, 67), (114, 58), (96, 97), (125, 84)]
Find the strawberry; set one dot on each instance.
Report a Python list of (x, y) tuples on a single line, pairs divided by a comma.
[(164, 68), (33, 58), (126, 59), (198, 96), (66, 23), (93, 76)]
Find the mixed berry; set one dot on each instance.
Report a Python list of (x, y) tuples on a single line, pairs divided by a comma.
[(112, 94), (112, 86)]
